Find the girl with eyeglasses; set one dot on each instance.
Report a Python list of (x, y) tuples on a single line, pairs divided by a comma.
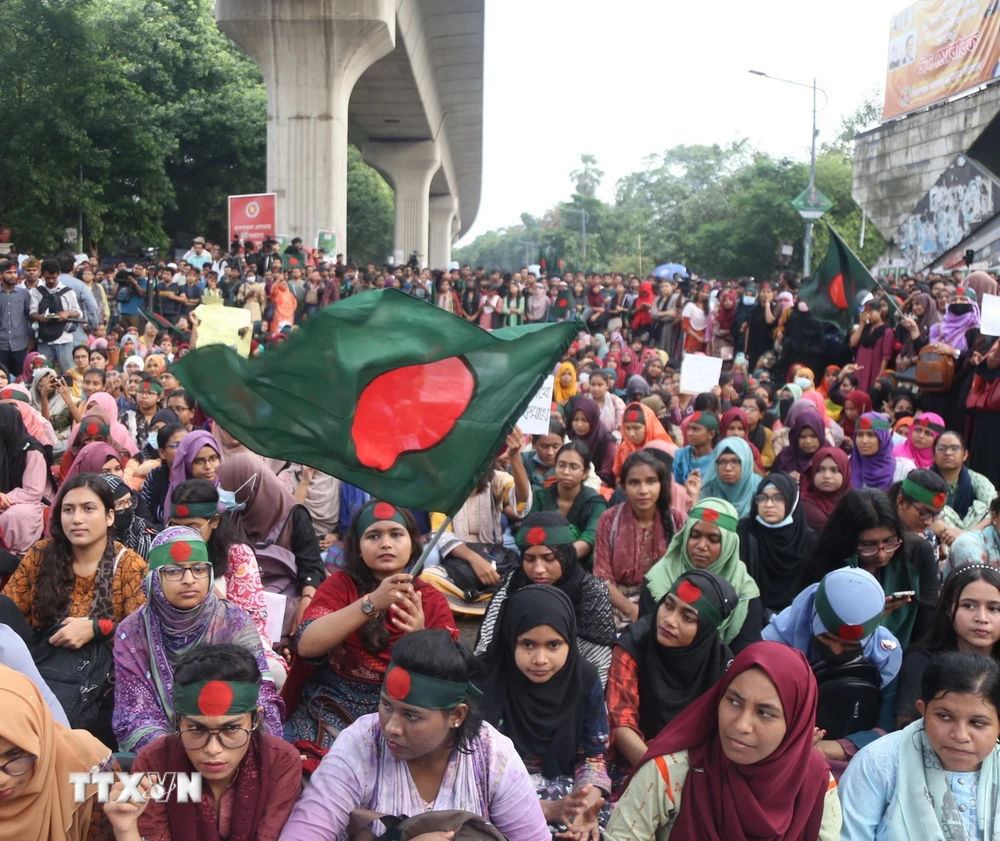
[(183, 612), (250, 779), (969, 493), (156, 485), (919, 499)]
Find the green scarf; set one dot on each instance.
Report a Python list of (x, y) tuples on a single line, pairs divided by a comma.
[(729, 566), (925, 800), (895, 577)]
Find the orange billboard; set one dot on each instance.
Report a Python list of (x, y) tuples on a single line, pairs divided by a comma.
[(939, 48)]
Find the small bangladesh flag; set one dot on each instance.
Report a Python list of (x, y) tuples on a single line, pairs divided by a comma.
[(832, 291), (563, 305), (383, 391)]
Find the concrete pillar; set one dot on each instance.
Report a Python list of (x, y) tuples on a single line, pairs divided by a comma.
[(311, 53), (409, 168), (443, 210)]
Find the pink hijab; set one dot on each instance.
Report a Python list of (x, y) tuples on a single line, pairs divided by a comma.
[(34, 421), (921, 458), (119, 432)]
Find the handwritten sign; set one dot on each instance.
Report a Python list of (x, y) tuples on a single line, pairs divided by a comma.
[(535, 420), (990, 311), (699, 373), (222, 325), (275, 603)]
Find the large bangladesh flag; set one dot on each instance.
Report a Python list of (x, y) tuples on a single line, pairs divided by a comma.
[(383, 391), (832, 291)]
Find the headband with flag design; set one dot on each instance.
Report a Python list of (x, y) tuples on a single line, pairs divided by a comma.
[(216, 697), (705, 419), (429, 693), (183, 550), (836, 626), (927, 423), (153, 386), (714, 518), (545, 536), (873, 422), (14, 394), (919, 493), (690, 593), (92, 427), (375, 511), (202, 510), (633, 414)]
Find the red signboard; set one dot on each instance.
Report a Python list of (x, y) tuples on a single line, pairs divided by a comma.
[(252, 217)]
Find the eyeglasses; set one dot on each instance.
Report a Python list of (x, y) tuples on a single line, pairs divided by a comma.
[(202, 462), (770, 499), (175, 573), (728, 462), (948, 448), (230, 736), (869, 550), (19, 765)]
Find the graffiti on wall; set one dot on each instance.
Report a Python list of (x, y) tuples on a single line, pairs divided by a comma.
[(961, 201)]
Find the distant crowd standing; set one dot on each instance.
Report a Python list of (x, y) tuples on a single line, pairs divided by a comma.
[(767, 610)]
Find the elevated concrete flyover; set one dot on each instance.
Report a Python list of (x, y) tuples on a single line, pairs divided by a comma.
[(401, 79)]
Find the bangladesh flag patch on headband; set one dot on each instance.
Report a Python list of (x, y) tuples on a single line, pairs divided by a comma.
[(873, 422), (705, 419), (927, 423), (216, 697), (375, 511), (153, 386), (690, 593), (918, 493), (429, 693), (178, 552), (633, 414), (201, 510), (95, 428), (714, 518), (544, 536), (14, 394), (836, 626)]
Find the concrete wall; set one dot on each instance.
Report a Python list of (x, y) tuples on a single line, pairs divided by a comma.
[(897, 163)]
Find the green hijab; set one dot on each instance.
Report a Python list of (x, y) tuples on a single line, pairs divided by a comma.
[(793, 388), (729, 566)]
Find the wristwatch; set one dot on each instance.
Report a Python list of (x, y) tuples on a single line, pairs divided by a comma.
[(367, 608)]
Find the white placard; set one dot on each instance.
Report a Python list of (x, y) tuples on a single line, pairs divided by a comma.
[(990, 312), (699, 373), (275, 615), (535, 420)]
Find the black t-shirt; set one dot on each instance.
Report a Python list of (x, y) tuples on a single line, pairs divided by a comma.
[(168, 306)]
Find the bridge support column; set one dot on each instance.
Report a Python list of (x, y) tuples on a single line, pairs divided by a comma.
[(443, 210), (409, 168), (311, 53)]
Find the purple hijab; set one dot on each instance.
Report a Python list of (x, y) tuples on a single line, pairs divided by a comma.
[(180, 470), (951, 329), (791, 458), (875, 471)]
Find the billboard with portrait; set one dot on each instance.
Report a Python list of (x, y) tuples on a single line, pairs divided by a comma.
[(937, 49)]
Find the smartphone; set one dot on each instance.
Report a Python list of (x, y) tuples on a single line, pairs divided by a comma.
[(741, 358), (902, 594), (67, 379)]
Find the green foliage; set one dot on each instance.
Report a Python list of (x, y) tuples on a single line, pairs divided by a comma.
[(370, 212)]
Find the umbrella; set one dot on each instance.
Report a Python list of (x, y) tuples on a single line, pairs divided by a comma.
[(668, 270)]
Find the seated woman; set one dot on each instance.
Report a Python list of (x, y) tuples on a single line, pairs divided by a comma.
[(872, 463), (837, 621), (540, 462), (824, 483), (701, 435), (634, 535), (130, 529), (937, 777), (708, 541), (865, 532), (37, 757), (195, 505), (664, 662), (969, 493), (19, 396), (154, 497), (967, 618), (359, 615), (569, 496), (250, 779), (182, 612), (25, 483), (426, 749), (774, 540), (919, 443), (97, 457), (751, 739), (542, 694), (548, 557), (977, 547), (198, 457), (639, 426), (805, 438), (919, 500), (585, 427), (730, 475)]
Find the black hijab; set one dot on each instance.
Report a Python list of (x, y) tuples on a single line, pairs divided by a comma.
[(543, 720), (774, 554), (16, 443), (671, 678)]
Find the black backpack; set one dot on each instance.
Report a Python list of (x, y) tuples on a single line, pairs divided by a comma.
[(78, 677), (850, 697), (49, 331)]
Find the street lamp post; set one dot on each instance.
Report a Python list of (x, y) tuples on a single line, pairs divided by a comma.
[(807, 241), (584, 216)]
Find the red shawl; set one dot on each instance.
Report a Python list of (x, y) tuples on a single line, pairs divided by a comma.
[(863, 403), (643, 317), (819, 506)]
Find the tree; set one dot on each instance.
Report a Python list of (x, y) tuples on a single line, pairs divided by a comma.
[(587, 179), (370, 212)]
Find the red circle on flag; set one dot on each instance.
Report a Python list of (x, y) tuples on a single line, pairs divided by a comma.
[(688, 592), (182, 511), (215, 698), (709, 515), (866, 423), (851, 633), (836, 292), (561, 302), (939, 500), (384, 511), (92, 429), (146, 386), (696, 418), (7, 392), (397, 684), (180, 551), (536, 536)]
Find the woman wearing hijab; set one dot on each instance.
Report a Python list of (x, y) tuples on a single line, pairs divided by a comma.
[(749, 740), (549, 557), (642, 318), (120, 436), (131, 530), (665, 661), (181, 613), (856, 404), (197, 457), (639, 426), (919, 444), (97, 457), (565, 385), (548, 700), (586, 427), (922, 309), (723, 318), (970, 494), (760, 324), (775, 539), (824, 482), (806, 435), (37, 757), (47, 397), (730, 475), (873, 464), (32, 362), (25, 483), (38, 427), (709, 541)]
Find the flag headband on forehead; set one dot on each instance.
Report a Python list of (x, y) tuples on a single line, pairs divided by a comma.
[(374, 512), (429, 693), (633, 414), (927, 423), (873, 422), (544, 536), (14, 394), (202, 510), (925, 495), (95, 428), (705, 419), (714, 518), (153, 386), (690, 593), (836, 626), (181, 551), (216, 697)]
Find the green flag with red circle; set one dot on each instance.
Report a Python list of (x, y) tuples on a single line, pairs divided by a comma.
[(384, 391), (831, 292)]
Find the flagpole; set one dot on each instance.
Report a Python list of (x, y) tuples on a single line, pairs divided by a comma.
[(429, 547)]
